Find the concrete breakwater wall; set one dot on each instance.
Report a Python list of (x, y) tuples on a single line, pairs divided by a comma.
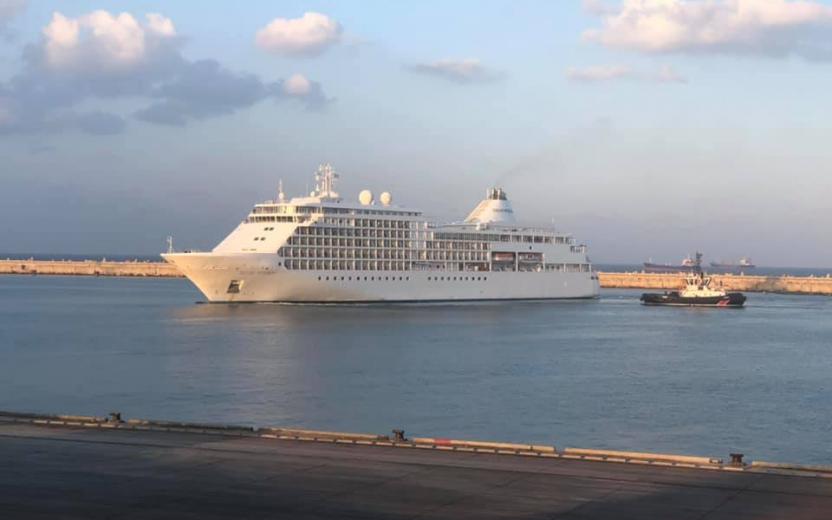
[(730, 282), (662, 281), (89, 268)]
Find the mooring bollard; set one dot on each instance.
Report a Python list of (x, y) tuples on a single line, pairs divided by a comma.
[(398, 436), (736, 459)]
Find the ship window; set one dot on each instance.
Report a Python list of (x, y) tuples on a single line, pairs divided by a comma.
[(319, 278), (234, 286)]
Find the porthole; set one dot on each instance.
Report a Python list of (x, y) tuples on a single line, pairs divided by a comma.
[(319, 278), (327, 278)]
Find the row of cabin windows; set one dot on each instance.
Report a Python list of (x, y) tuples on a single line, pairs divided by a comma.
[(366, 279), (343, 224), (370, 227), (387, 265), (273, 218), (493, 237), (352, 233), (260, 209), (457, 278), (383, 253), (346, 265)]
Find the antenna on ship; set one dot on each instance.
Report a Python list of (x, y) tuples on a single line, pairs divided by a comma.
[(280, 195), (170, 244), (325, 181)]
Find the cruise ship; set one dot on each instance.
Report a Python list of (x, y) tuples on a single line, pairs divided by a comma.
[(322, 249)]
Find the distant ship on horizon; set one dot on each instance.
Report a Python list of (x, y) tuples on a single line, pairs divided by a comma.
[(688, 265), (743, 264), (694, 264)]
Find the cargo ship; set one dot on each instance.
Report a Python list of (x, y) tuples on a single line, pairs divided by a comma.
[(688, 265), (744, 264)]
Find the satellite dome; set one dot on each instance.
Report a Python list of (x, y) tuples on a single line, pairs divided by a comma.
[(386, 198), (365, 197)]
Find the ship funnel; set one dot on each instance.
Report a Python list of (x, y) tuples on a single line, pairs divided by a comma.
[(494, 209)]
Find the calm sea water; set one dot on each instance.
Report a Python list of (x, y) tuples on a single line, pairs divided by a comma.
[(607, 373)]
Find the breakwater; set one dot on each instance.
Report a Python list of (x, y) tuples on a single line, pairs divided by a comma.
[(633, 280), (89, 268), (730, 282)]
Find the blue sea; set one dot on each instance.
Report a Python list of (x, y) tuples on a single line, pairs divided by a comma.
[(597, 374)]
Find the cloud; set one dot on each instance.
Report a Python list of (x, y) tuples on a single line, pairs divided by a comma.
[(9, 9), (458, 71), (609, 73), (598, 73), (309, 35), (297, 85), (667, 74), (101, 55), (206, 89), (757, 27), (103, 41)]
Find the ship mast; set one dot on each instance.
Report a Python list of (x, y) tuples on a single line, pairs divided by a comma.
[(325, 179)]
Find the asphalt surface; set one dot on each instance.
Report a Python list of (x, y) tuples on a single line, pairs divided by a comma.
[(48, 472)]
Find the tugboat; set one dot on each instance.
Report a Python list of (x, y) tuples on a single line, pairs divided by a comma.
[(697, 293)]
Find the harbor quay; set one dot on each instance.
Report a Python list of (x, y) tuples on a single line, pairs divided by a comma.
[(114, 467), (821, 285)]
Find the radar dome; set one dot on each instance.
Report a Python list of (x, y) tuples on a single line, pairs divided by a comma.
[(386, 198), (365, 197)]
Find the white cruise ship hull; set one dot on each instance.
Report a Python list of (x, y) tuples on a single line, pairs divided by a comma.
[(262, 278)]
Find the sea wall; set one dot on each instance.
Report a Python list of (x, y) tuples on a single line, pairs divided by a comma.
[(89, 268), (731, 282), (636, 280)]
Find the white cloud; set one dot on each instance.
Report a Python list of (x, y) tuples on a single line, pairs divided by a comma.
[(297, 85), (101, 40), (608, 73), (599, 73), (668, 74), (80, 61), (160, 25), (767, 27), (460, 71), (309, 35)]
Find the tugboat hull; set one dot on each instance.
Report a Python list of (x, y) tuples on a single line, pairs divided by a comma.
[(730, 300)]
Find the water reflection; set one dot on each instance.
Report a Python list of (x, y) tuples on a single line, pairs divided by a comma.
[(607, 373)]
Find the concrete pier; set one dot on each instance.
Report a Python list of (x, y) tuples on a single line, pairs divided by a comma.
[(730, 282), (77, 467), (777, 284), (89, 268)]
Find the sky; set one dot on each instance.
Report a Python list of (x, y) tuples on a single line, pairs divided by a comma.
[(647, 128)]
